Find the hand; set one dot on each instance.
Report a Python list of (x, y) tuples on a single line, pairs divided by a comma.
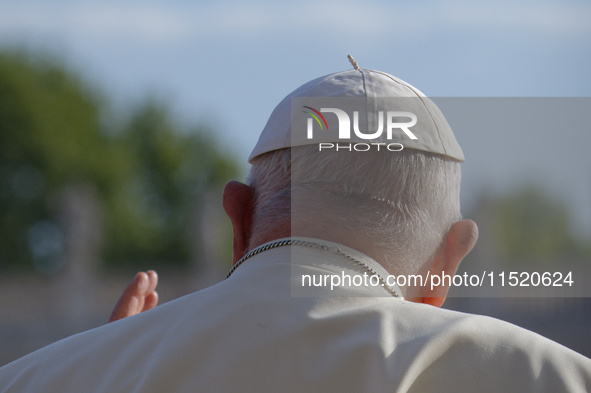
[(140, 295)]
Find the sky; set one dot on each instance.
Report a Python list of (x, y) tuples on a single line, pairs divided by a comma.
[(228, 63)]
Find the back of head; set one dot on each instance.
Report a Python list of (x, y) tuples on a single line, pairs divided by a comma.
[(399, 202)]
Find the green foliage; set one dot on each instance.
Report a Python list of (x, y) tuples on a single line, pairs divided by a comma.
[(149, 175), (152, 213), (49, 136), (529, 225)]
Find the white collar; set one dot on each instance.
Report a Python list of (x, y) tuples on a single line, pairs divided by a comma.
[(356, 260)]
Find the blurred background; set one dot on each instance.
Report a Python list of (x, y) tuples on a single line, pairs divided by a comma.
[(120, 122)]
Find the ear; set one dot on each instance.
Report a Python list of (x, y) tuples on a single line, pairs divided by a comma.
[(458, 242), (238, 200)]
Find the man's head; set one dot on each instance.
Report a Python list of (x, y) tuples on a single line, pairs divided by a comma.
[(399, 207)]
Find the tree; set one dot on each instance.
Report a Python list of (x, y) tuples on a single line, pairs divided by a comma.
[(49, 137), (530, 225), (146, 177), (172, 170)]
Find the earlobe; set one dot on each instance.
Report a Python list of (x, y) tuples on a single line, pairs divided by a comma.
[(238, 201), (458, 242)]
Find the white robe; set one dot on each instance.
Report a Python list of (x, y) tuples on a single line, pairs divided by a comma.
[(250, 333)]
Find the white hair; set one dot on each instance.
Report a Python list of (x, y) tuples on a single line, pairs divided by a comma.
[(402, 202)]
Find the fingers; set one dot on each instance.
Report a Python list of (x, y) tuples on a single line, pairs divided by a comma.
[(151, 301), (151, 296), (127, 303), (140, 295), (153, 279)]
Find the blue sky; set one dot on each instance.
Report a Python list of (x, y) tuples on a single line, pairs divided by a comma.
[(229, 63)]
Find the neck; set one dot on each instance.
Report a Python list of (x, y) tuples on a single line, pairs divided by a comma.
[(355, 241), (258, 239)]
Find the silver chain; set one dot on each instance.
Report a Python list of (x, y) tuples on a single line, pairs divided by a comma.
[(293, 242)]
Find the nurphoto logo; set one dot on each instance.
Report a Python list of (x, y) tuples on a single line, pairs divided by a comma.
[(393, 125)]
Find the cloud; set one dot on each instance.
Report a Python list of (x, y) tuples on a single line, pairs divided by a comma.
[(103, 20), (565, 18), (174, 21)]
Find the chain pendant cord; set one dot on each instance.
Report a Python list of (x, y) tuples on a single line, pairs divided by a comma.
[(303, 243)]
